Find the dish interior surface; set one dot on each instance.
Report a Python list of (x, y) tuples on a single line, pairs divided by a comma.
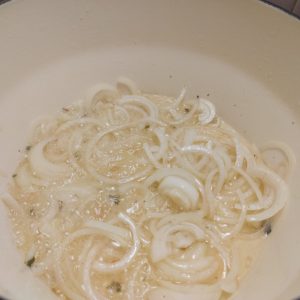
[(242, 101)]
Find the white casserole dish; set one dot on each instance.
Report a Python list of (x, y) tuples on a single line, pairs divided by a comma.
[(244, 54)]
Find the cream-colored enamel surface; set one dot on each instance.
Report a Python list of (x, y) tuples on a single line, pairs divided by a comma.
[(243, 53)]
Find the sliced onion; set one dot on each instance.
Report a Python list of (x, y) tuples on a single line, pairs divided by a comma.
[(281, 193), (180, 119), (241, 220), (118, 115), (230, 283), (160, 248), (208, 111), (163, 141), (195, 217), (287, 163), (151, 157), (179, 275), (90, 167), (180, 98), (251, 183), (42, 166), (111, 231), (126, 86), (141, 101), (87, 269), (191, 265), (99, 93), (127, 258), (27, 181), (219, 161), (180, 191), (164, 172)]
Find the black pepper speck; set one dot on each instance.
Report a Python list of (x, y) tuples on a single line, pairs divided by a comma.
[(30, 262), (267, 228)]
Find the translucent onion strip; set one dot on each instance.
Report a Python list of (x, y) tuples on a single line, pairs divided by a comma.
[(42, 166), (286, 164), (111, 231), (125, 261), (215, 156), (208, 111), (99, 93), (281, 193), (160, 248), (127, 87), (87, 269), (141, 101)]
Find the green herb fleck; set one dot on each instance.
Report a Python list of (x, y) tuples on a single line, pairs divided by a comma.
[(14, 175), (32, 212), (77, 155), (60, 204), (114, 198), (30, 262), (28, 148), (186, 110), (155, 184), (115, 286), (147, 126)]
